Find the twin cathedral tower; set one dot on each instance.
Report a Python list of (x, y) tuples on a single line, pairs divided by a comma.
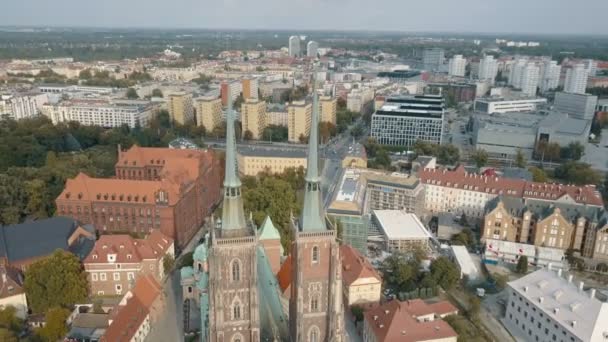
[(315, 305)]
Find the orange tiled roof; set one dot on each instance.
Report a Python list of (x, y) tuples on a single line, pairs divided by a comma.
[(394, 322), (284, 274), (459, 178), (128, 249), (355, 266), (85, 188), (146, 289), (155, 156), (127, 321)]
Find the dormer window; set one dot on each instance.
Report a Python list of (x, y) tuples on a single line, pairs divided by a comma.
[(129, 256), (111, 257), (94, 256)]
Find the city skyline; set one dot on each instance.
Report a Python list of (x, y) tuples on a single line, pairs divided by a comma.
[(540, 17)]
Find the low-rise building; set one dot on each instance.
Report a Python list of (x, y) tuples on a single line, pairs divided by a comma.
[(465, 263), (117, 261), (362, 285), (545, 306), (507, 252), (12, 292), (493, 105), (579, 106), (42, 238), (409, 321), (401, 231), (254, 159)]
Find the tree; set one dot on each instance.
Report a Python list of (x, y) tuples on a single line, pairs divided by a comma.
[(538, 174), (303, 139), (444, 272), (522, 265), (157, 93), (7, 335), (56, 281), (98, 307), (357, 312), (187, 259), (480, 157), (85, 74), (9, 319), (577, 173), (474, 307), (248, 135), (398, 272), (357, 131), (168, 263), (55, 327), (132, 94), (464, 238), (448, 154), (500, 280), (574, 151), (326, 131), (520, 159)]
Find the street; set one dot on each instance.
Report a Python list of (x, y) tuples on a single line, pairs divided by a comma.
[(170, 327)]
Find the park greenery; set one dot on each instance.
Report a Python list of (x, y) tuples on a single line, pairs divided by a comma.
[(445, 154), (277, 196), (275, 133)]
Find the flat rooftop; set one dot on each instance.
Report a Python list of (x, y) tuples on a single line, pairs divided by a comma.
[(512, 99), (399, 225), (349, 195)]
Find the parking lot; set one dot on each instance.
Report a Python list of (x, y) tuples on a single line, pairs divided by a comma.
[(596, 154)]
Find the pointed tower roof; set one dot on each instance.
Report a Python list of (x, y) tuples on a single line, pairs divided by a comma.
[(312, 217), (233, 215), (268, 231)]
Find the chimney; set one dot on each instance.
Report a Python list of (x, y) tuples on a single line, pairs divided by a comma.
[(559, 272), (592, 293), (556, 311), (526, 288), (570, 278), (540, 299), (550, 266), (580, 286)]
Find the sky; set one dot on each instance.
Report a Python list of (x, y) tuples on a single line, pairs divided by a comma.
[(504, 16)]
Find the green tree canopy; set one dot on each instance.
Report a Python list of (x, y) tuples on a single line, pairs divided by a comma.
[(480, 157), (56, 281), (157, 93), (444, 272), (577, 173), (132, 94), (522, 265), (55, 327), (520, 159)]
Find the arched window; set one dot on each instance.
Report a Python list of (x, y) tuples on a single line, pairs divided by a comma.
[(315, 254), (314, 335), (200, 267), (237, 338), (236, 270), (236, 311)]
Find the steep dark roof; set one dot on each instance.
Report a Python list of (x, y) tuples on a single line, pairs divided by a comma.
[(37, 238)]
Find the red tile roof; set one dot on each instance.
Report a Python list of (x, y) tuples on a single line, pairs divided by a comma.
[(460, 179), (146, 289), (394, 322), (355, 266), (284, 275), (156, 156), (126, 322), (129, 249)]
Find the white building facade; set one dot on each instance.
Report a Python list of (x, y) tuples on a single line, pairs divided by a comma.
[(294, 46), (576, 79), (550, 76), (457, 66), (488, 68), (312, 49)]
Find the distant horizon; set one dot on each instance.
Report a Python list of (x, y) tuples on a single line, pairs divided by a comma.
[(513, 17), (499, 35)]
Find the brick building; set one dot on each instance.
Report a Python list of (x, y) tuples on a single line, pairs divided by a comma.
[(554, 224), (118, 261), (156, 188)]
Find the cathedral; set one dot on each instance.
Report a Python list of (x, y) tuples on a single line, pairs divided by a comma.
[(233, 279)]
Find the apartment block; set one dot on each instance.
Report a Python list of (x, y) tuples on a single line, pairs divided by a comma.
[(101, 112), (208, 112), (328, 108), (253, 160), (250, 88), (118, 261), (181, 108), (233, 88), (253, 117), (299, 118)]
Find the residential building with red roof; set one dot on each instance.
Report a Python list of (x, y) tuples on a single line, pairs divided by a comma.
[(362, 285), (138, 310), (118, 261), (460, 192), (409, 321), (156, 189)]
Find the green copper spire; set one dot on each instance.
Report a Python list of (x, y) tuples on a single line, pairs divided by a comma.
[(233, 215), (312, 217)]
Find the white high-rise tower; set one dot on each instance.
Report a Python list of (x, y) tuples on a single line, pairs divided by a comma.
[(457, 66), (294, 46), (576, 79), (488, 68)]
